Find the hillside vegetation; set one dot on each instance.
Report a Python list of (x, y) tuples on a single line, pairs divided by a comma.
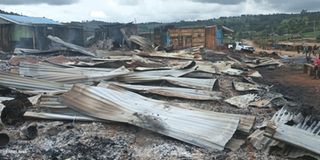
[(272, 26)]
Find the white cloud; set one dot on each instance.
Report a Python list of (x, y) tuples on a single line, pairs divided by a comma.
[(144, 10), (98, 14)]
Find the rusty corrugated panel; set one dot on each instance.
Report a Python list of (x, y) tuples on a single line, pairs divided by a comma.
[(304, 132), (72, 46), (170, 91), (241, 101), (242, 86), (49, 107), (196, 83), (24, 83), (56, 116), (161, 73), (63, 75), (116, 104)]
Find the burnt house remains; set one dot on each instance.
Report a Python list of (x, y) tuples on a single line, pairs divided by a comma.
[(18, 31), (118, 33)]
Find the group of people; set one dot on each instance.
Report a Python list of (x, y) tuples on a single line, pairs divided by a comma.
[(314, 50), (309, 50)]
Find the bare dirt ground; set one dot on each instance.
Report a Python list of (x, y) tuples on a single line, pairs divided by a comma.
[(292, 82), (290, 79), (280, 52)]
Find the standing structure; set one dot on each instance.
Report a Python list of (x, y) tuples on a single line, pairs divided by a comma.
[(210, 37), (31, 32)]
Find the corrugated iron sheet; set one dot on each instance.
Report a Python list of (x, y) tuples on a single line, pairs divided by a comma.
[(304, 132), (117, 104), (241, 86), (69, 75), (196, 83), (55, 116), (241, 101), (24, 83), (171, 91), (72, 46)]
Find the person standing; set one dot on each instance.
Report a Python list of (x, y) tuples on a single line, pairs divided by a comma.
[(305, 51), (316, 63)]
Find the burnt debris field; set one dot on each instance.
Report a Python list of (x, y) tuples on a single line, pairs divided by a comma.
[(81, 103)]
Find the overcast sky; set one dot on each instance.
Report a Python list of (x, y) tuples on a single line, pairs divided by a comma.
[(151, 10)]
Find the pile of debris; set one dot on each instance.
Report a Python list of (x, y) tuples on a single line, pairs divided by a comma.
[(212, 105)]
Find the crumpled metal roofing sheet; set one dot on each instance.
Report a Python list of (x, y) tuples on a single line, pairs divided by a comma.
[(171, 91), (69, 75), (304, 133), (24, 83), (116, 104), (196, 83)]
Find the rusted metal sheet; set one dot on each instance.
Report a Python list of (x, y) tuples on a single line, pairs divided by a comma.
[(160, 73), (63, 75), (171, 91), (24, 83), (265, 61), (196, 83), (242, 101), (116, 104), (177, 66), (296, 136), (304, 132), (225, 67), (61, 116), (266, 100), (144, 43), (174, 55), (246, 121), (241, 86), (5, 99), (50, 108), (1, 109), (72, 46)]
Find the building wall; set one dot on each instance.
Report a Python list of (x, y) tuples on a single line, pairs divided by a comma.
[(115, 32), (187, 37), (5, 37), (74, 35), (35, 37), (20, 32), (194, 37), (22, 36), (210, 37), (2, 21)]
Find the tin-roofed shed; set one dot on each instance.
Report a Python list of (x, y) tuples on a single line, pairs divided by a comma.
[(31, 32)]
